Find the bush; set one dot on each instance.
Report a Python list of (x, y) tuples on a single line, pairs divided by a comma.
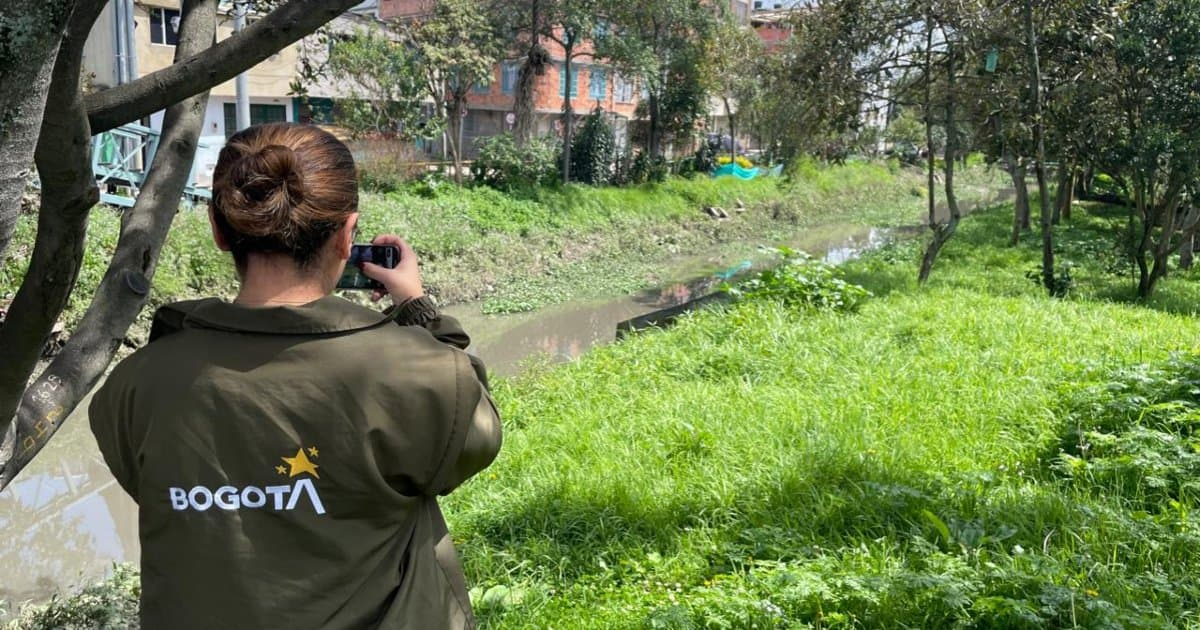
[(505, 166), (385, 165), (592, 151), (643, 168), (111, 603), (801, 282)]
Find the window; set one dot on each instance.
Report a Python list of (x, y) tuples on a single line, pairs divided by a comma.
[(258, 114), (622, 89), (509, 72), (562, 80), (164, 26), (598, 84), (601, 30)]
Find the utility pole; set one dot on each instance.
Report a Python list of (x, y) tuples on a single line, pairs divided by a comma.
[(240, 88)]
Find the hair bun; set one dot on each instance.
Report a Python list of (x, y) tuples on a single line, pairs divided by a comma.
[(268, 185)]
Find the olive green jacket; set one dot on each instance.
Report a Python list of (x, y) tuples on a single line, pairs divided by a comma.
[(286, 463)]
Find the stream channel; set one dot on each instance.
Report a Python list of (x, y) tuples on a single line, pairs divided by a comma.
[(67, 521)]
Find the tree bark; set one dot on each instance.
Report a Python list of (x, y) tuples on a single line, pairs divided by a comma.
[(30, 33), (1064, 192), (68, 194), (568, 112), (535, 59), (1040, 147), (1016, 171), (943, 231), (732, 130), (211, 66), (125, 287)]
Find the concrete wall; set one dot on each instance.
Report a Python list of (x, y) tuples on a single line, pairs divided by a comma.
[(272, 77)]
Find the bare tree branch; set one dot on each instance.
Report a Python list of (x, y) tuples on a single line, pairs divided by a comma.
[(210, 67), (68, 193), (126, 284)]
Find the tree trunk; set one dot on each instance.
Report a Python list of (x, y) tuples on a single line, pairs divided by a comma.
[(653, 141), (1016, 171), (1040, 146), (68, 194), (28, 49), (454, 139), (1069, 200), (1063, 192), (732, 131), (568, 114), (935, 244), (943, 232), (125, 288), (535, 58), (1187, 250)]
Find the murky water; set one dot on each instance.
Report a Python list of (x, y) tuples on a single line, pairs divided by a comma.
[(67, 520)]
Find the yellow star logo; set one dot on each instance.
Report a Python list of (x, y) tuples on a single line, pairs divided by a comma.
[(300, 464), (281, 470), (313, 452)]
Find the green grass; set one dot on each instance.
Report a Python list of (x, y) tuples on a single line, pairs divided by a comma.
[(967, 454)]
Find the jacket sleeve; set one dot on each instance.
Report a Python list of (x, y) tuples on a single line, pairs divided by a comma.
[(476, 436), (446, 329), (110, 415)]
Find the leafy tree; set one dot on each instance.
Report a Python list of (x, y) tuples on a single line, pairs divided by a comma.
[(594, 150), (382, 82), (733, 67), (456, 46), (664, 43), (571, 23), (45, 118)]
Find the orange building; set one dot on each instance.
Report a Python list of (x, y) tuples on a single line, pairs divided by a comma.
[(490, 105)]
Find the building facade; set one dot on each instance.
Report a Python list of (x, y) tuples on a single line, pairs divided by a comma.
[(490, 104)]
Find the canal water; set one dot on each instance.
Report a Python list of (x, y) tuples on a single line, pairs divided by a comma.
[(67, 521)]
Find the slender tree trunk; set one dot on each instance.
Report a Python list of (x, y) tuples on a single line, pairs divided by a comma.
[(68, 194), (732, 130), (454, 139), (935, 243), (943, 231), (125, 288), (1040, 147), (568, 113), (1070, 198), (654, 142), (1187, 250), (28, 49), (1016, 171)]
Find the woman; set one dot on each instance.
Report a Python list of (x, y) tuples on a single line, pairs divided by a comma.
[(286, 449)]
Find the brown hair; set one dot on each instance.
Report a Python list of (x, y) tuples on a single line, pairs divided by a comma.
[(285, 188)]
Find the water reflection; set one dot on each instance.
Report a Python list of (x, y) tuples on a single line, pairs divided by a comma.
[(68, 519)]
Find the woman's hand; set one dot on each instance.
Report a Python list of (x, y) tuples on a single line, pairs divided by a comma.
[(403, 282)]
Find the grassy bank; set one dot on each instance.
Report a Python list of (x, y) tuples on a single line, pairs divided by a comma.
[(519, 253), (969, 454)]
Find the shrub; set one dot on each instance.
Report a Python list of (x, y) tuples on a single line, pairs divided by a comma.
[(592, 151), (801, 282), (505, 166), (385, 165), (111, 603), (643, 169)]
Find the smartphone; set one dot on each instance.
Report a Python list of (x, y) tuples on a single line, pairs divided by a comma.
[(382, 255)]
